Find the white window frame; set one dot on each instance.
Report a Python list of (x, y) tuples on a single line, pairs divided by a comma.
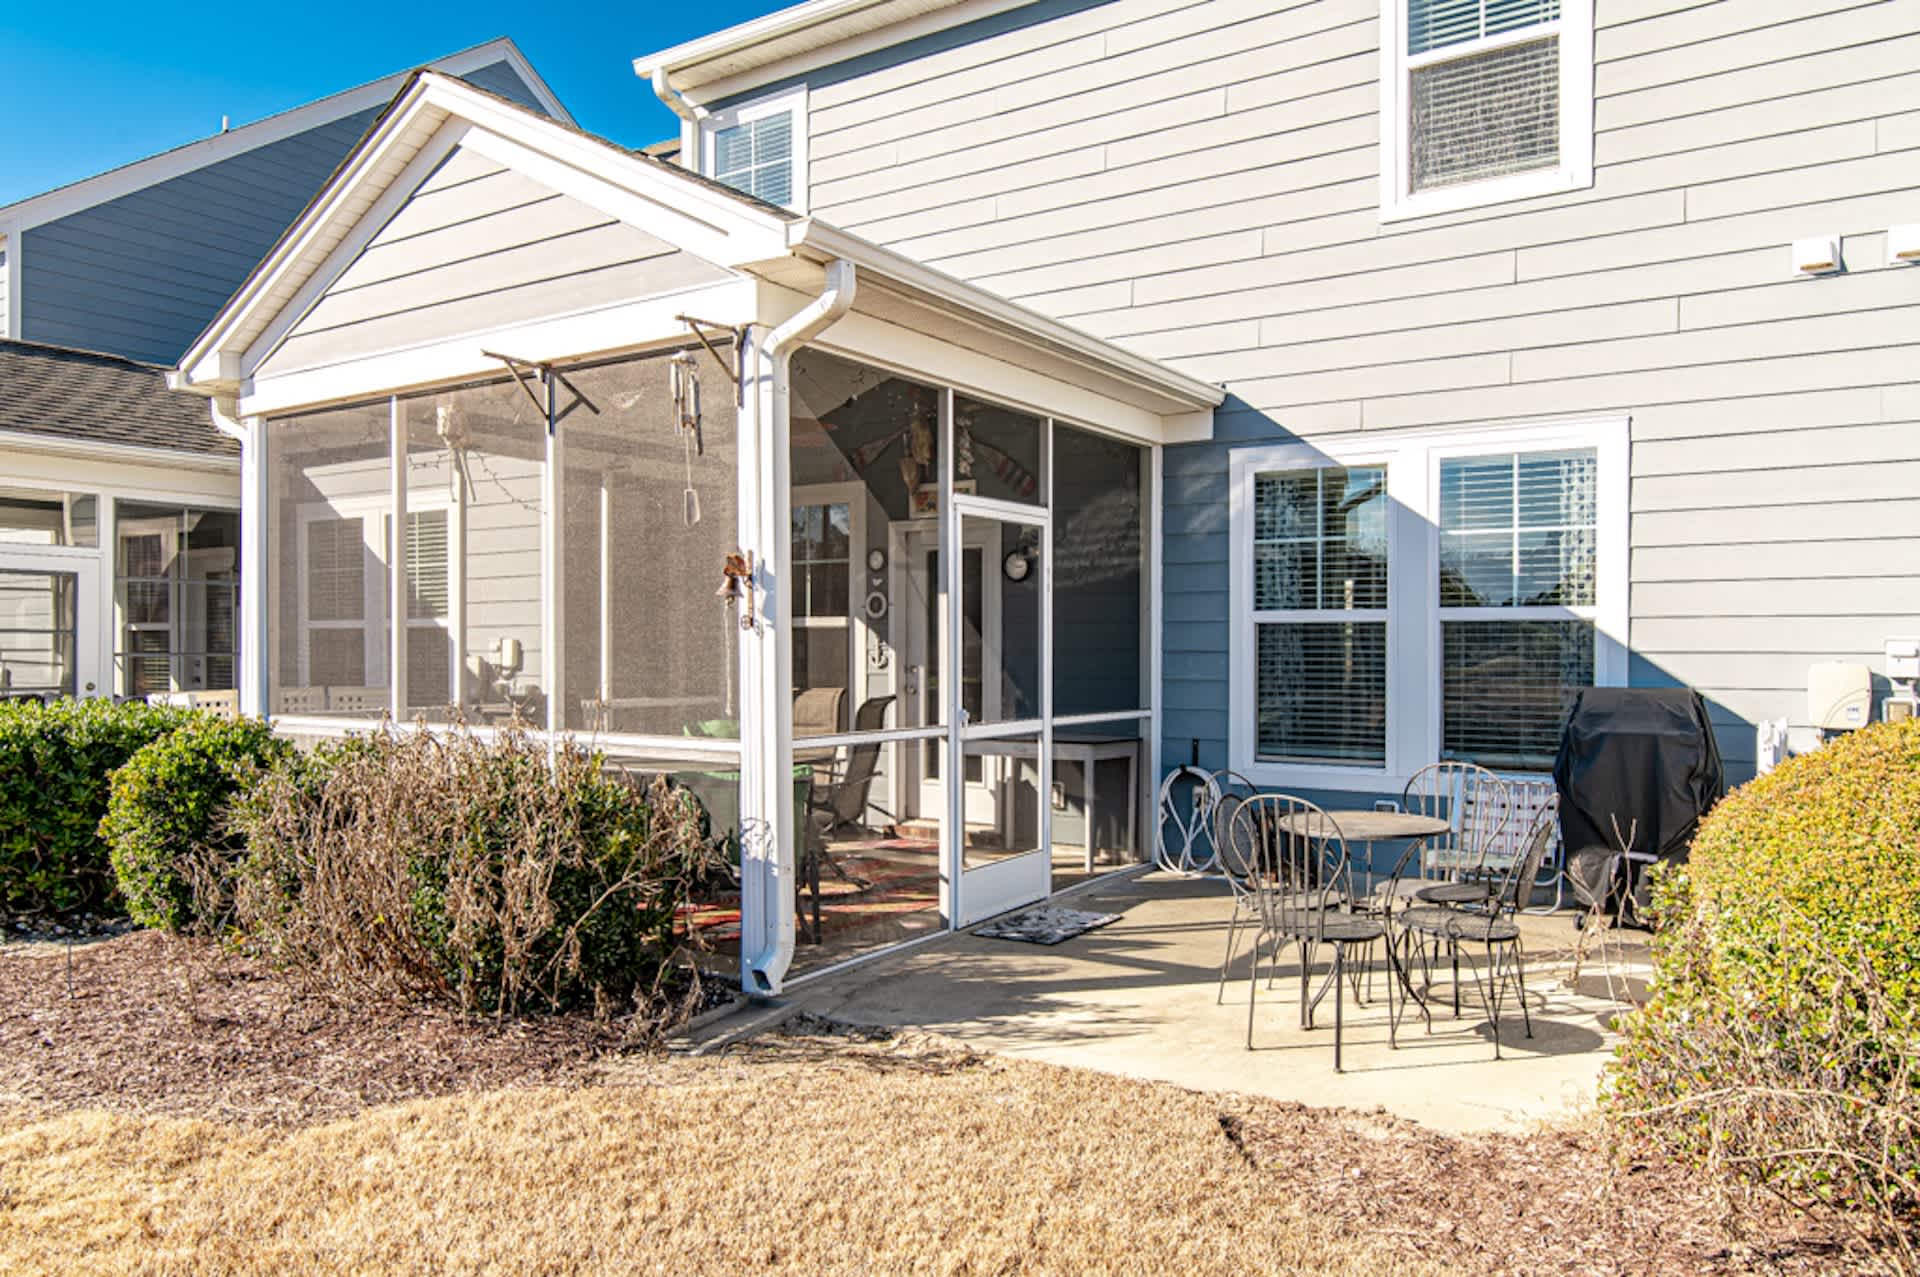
[(1398, 201), (854, 496), (793, 100), (1413, 462), (375, 514)]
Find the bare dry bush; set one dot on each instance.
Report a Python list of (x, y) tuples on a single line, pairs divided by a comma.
[(492, 875), (1815, 1103)]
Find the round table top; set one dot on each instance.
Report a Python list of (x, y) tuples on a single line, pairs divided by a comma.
[(1366, 826)]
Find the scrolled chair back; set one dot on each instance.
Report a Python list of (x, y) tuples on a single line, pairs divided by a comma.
[(1295, 857), (1476, 806)]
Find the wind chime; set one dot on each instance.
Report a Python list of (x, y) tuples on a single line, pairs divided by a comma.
[(683, 378)]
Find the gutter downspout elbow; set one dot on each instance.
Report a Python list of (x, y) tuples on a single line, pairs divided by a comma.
[(765, 969), (689, 114)]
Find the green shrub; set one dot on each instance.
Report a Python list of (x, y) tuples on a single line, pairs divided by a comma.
[(55, 762), (166, 819), (1782, 1038), (483, 874)]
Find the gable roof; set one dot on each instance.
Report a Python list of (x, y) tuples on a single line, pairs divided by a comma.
[(723, 226), (87, 397), (139, 174)]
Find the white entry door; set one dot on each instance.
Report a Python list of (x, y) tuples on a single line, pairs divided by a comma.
[(49, 624)]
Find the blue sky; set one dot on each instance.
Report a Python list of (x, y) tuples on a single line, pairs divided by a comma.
[(96, 86)]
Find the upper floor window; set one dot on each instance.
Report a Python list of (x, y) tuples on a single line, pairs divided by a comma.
[(1484, 101), (760, 147)]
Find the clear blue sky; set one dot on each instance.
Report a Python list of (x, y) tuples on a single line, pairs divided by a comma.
[(97, 85)]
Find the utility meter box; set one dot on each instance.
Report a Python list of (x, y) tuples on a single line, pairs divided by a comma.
[(1839, 695), (1903, 660)]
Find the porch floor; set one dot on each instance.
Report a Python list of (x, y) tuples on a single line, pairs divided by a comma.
[(1137, 997)]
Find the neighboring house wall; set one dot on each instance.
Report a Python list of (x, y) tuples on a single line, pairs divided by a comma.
[(1201, 182), (141, 275), (477, 247)]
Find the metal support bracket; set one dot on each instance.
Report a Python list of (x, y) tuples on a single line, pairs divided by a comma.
[(543, 371), (699, 328)]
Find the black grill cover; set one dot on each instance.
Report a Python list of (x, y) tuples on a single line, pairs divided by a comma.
[(1629, 755)]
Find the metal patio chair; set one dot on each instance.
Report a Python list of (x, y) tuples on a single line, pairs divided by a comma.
[(1299, 879), (1450, 868), (1425, 929), (1228, 791)]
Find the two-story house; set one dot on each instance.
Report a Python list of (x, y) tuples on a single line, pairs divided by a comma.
[(119, 500), (1076, 388)]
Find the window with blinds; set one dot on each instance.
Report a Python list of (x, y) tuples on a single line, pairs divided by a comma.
[(1320, 614), (1482, 90), (1518, 550), (756, 156)]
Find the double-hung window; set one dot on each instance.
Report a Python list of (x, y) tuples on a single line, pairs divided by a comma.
[(1483, 101), (1435, 595), (760, 148), (1320, 614)]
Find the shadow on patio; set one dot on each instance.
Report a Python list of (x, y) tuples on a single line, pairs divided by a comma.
[(1138, 997)]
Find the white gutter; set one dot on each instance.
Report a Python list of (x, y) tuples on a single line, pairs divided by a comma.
[(768, 870), (690, 117)]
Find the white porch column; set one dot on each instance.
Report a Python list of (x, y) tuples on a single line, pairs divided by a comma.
[(252, 636)]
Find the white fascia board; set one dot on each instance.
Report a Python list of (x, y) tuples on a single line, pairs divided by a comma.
[(607, 331), (187, 158), (732, 50), (924, 356), (1181, 393), (742, 72), (19, 441)]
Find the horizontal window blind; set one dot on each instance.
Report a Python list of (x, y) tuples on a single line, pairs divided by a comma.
[(336, 570), (1322, 690), (1485, 115), (1518, 530), (1434, 24), (1320, 539), (1506, 686), (426, 563), (757, 157)]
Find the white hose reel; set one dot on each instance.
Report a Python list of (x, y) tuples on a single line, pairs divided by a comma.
[(1183, 839)]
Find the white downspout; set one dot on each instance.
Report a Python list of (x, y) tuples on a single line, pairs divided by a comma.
[(690, 117), (253, 551), (768, 861)]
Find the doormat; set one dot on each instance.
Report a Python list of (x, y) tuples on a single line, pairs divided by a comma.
[(1045, 925)]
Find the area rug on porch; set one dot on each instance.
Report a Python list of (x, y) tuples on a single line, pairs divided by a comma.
[(1047, 924)]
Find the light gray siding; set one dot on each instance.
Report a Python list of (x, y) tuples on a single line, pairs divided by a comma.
[(141, 275), (1199, 181), (474, 248)]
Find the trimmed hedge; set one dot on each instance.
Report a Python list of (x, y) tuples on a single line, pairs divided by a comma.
[(168, 809), (485, 874), (1782, 1037), (55, 764)]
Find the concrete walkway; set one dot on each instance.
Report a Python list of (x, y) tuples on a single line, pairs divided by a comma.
[(1137, 997)]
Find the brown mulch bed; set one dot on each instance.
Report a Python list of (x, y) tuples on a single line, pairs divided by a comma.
[(183, 1029), (148, 1023)]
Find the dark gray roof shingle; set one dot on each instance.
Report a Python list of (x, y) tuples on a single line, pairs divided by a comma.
[(80, 394)]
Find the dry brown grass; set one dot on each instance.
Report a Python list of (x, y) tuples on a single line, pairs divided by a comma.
[(693, 1167)]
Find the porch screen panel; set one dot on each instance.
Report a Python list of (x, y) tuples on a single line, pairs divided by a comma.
[(864, 601), (488, 444), (437, 500), (176, 576), (39, 615), (48, 516), (1099, 573), (328, 501), (650, 512), (997, 452)]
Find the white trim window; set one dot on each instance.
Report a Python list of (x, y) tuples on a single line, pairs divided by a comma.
[(1483, 101), (343, 588), (1434, 595), (760, 147)]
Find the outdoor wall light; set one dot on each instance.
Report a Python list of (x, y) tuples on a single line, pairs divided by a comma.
[(1903, 245), (1817, 256)]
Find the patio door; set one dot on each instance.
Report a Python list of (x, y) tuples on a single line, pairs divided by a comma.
[(49, 624), (999, 739), (922, 621)]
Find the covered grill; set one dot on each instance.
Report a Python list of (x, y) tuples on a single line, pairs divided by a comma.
[(1637, 769)]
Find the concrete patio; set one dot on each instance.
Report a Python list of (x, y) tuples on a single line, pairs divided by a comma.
[(1138, 997)]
